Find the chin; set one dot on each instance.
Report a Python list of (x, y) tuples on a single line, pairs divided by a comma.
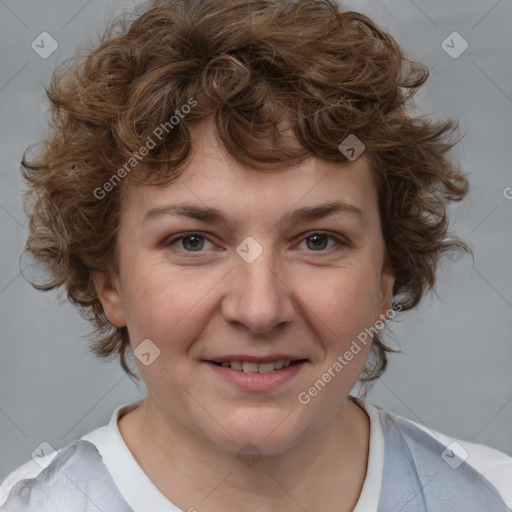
[(252, 446), (257, 433)]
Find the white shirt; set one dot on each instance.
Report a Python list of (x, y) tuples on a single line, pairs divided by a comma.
[(142, 495)]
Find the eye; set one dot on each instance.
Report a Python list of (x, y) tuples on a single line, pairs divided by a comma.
[(192, 242), (318, 241)]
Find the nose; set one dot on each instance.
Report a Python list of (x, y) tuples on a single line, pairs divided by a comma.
[(259, 294)]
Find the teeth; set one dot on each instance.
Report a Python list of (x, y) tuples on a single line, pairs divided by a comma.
[(265, 367), (251, 367)]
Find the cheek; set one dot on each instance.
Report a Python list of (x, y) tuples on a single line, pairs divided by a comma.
[(344, 300), (165, 305)]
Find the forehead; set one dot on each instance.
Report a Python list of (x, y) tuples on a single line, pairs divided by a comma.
[(213, 178)]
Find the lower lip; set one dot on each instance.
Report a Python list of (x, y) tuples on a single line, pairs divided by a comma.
[(257, 381)]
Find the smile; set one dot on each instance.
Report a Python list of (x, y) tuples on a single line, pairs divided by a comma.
[(257, 376), (253, 367)]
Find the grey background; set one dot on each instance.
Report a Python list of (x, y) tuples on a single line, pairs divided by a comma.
[(454, 375)]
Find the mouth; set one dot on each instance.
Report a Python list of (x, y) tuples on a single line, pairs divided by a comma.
[(258, 367), (256, 374)]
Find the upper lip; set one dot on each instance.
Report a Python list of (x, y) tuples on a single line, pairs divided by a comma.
[(256, 359)]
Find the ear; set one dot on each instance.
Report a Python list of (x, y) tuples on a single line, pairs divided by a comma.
[(109, 293), (387, 281)]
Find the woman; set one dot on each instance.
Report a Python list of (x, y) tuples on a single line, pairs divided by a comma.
[(199, 157)]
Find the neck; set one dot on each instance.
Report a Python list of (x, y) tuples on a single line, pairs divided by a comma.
[(326, 471)]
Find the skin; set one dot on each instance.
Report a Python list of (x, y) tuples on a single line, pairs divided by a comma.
[(198, 301)]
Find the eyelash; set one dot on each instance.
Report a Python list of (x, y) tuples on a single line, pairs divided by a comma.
[(341, 242)]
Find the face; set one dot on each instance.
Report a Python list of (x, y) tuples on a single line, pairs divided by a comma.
[(279, 277)]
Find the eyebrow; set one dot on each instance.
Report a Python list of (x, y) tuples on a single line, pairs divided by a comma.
[(212, 215)]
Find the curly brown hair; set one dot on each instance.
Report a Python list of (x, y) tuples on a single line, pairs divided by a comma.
[(248, 66)]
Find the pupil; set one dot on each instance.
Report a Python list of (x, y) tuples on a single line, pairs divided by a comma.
[(194, 244), (317, 238)]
